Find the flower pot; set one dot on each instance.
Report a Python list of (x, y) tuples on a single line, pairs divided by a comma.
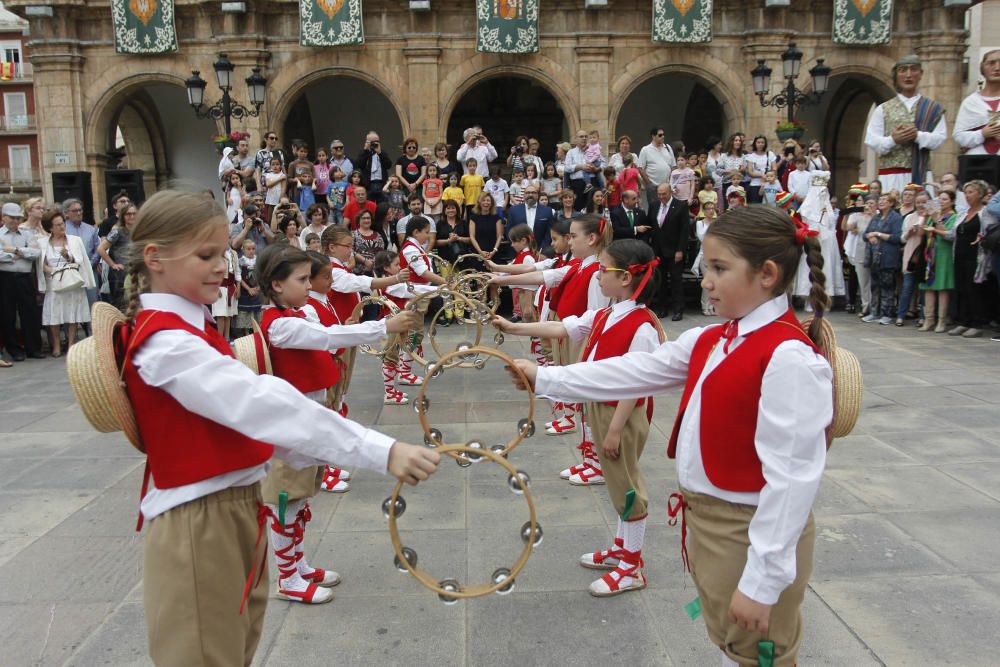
[(785, 135)]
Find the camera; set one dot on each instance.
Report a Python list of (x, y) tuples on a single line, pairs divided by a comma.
[(518, 150), (374, 144)]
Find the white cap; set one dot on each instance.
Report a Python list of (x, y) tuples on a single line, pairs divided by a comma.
[(13, 210)]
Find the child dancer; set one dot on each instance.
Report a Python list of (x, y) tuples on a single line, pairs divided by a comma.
[(413, 257), (301, 354), (387, 264), (202, 549), (226, 307), (628, 273), (747, 482), (701, 228), (575, 289)]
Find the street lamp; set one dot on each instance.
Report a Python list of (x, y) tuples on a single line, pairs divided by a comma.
[(225, 109), (791, 97)]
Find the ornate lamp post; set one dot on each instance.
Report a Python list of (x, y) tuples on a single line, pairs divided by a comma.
[(791, 97), (226, 108)]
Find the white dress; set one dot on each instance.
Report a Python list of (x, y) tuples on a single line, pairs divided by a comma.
[(69, 307), (819, 215), (224, 306)]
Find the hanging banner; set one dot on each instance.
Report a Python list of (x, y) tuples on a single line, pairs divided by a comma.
[(682, 21), (330, 23), (507, 26), (862, 21), (144, 26)]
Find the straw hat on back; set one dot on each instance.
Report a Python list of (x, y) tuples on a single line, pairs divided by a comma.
[(93, 366), (848, 383), (252, 351)]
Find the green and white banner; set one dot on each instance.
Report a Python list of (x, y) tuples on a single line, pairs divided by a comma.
[(330, 23), (682, 21), (144, 26), (507, 26), (862, 21)]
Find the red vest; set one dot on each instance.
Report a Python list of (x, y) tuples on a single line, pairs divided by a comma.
[(569, 297), (730, 399), (343, 303), (523, 255), (306, 370), (543, 291), (327, 317), (414, 278), (182, 447), (617, 339)]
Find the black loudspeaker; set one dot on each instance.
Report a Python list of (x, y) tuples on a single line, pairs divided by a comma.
[(129, 180), (982, 167), (74, 185)]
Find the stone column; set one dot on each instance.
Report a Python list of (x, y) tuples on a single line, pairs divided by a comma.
[(942, 82), (593, 57), (423, 57)]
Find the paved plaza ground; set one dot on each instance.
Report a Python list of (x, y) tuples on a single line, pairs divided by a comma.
[(906, 569)]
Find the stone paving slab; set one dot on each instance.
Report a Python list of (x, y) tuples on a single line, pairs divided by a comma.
[(905, 568)]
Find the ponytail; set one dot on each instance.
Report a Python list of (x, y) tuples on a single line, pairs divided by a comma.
[(818, 298)]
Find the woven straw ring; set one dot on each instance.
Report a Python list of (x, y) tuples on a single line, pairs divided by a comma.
[(450, 590), (393, 339), (433, 437)]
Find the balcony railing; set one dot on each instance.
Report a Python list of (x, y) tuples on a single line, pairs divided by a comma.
[(19, 177), (15, 71), (17, 123)]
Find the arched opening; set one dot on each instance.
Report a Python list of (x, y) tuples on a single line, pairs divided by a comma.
[(507, 107), (648, 106), (345, 108), (839, 121)]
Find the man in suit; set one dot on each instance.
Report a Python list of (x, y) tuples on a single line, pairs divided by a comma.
[(628, 220), (538, 218), (671, 227)]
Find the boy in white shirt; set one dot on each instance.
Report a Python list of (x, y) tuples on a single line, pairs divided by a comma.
[(498, 188), (798, 181)]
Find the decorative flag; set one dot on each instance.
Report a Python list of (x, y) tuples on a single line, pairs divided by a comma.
[(144, 26), (862, 21), (682, 21), (507, 26), (330, 23)]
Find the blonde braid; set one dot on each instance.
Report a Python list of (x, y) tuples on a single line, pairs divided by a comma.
[(818, 298)]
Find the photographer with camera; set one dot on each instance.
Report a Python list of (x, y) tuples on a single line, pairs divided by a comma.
[(286, 211), (817, 161), (520, 157), (479, 148), (374, 165), (252, 228)]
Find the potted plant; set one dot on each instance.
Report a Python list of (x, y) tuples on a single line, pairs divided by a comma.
[(790, 129), (231, 139)]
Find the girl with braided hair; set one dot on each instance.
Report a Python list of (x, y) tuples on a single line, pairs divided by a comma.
[(750, 434)]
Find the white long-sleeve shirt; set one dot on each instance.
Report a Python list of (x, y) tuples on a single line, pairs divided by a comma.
[(879, 141), (595, 297), (974, 113), (262, 407), (415, 259), (796, 406), (348, 282), (483, 155), (646, 338)]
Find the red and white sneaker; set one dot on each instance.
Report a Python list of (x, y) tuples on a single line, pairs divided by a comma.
[(291, 585), (626, 577), (395, 397), (562, 426), (320, 577), (335, 480), (604, 560), (588, 476), (589, 458), (409, 379)]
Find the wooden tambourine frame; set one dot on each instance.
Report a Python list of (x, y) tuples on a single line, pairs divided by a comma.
[(478, 590), (526, 427), (392, 340), (468, 304)]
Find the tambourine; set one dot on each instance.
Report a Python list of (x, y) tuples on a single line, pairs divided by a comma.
[(453, 299), (433, 437), (392, 340), (450, 591)]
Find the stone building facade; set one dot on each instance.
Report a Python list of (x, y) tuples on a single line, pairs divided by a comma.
[(596, 68)]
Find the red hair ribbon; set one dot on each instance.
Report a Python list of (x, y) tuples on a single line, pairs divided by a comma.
[(636, 269), (600, 227), (802, 231)]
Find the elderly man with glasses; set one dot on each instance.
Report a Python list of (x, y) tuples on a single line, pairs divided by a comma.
[(18, 254), (338, 158), (75, 226), (656, 160), (576, 165)]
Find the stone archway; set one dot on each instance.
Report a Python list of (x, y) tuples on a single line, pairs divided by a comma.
[(314, 111), (507, 106)]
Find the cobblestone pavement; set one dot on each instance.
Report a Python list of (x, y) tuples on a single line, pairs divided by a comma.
[(906, 562)]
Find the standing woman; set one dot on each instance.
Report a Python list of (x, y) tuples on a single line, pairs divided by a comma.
[(939, 275), (597, 203), (444, 165), (34, 208), (411, 168), (61, 254), (568, 211), (758, 162), (617, 160), (968, 265), (113, 249), (713, 168), (367, 243), (731, 165), (884, 237), (485, 227), (817, 161)]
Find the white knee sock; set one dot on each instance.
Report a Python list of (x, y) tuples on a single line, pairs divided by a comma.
[(635, 534)]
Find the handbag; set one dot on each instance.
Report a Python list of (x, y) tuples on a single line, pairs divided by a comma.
[(991, 242), (67, 278)]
